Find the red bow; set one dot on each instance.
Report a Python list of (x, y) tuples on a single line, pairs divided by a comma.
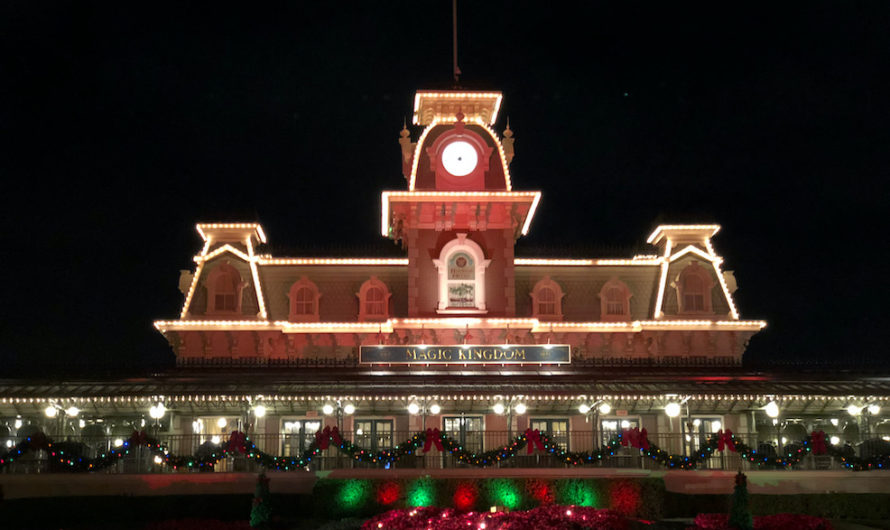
[(237, 442), (533, 439), (636, 438), (139, 438), (325, 437), (724, 440), (433, 437), (819, 447)]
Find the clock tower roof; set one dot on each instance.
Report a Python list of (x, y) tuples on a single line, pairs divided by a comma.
[(443, 105)]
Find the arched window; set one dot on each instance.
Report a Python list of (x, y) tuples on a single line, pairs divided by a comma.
[(224, 287), (547, 300), (694, 289), (615, 300), (373, 299), (304, 298), (461, 266)]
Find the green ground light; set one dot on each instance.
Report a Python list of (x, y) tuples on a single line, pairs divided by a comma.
[(505, 492), (577, 492), (354, 494), (421, 492)]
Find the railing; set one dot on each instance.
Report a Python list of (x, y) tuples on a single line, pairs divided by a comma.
[(142, 460)]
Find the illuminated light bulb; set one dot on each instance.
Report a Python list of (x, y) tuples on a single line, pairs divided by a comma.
[(349, 408), (72, 411), (784, 440), (158, 459), (435, 408), (413, 408), (835, 421), (221, 423), (696, 422), (672, 410), (118, 442), (605, 408), (520, 408), (854, 410), (499, 408), (625, 424), (583, 408), (81, 424), (772, 409), (834, 440), (259, 411), (327, 409), (18, 423), (873, 409), (715, 425), (9, 443), (214, 439), (50, 411)]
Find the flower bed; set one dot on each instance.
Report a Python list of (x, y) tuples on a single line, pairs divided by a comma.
[(551, 517), (781, 521)]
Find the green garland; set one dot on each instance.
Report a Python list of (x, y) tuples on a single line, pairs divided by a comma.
[(64, 456)]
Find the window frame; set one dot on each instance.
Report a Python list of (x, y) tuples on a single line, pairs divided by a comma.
[(547, 283), (700, 273), (303, 283), (363, 303), (625, 295), (470, 247), (224, 269)]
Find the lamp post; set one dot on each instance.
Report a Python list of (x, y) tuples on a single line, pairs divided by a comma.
[(594, 410), (772, 410), (514, 405)]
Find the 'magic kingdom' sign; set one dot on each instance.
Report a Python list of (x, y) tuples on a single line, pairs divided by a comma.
[(466, 354)]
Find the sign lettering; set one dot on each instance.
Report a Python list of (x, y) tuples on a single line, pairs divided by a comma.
[(466, 354)]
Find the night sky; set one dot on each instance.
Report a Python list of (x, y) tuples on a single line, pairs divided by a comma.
[(125, 125)]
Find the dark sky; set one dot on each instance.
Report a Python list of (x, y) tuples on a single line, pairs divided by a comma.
[(125, 125)]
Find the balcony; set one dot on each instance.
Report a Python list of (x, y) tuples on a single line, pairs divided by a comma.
[(141, 459)]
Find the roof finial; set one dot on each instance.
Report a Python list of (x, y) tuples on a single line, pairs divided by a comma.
[(454, 38)]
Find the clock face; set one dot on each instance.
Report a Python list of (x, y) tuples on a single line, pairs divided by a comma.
[(459, 158)]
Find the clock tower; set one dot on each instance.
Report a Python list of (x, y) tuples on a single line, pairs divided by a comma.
[(459, 218)]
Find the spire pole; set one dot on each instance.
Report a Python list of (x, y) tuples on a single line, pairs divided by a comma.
[(454, 39)]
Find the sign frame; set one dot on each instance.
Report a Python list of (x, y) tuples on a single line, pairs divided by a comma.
[(423, 354)]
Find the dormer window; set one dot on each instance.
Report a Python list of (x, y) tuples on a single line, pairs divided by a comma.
[(694, 289), (615, 301), (373, 300), (461, 266), (547, 300), (224, 287), (304, 298)]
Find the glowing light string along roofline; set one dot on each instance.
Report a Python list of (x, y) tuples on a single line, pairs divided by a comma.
[(266, 260), (486, 397), (256, 279), (699, 252), (533, 325), (440, 121), (431, 196), (331, 261), (659, 299), (256, 227), (722, 280), (219, 250), (655, 235), (420, 94)]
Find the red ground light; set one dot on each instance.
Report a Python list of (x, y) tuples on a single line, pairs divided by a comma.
[(388, 493), (624, 497), (540, 490), (465, 496)]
